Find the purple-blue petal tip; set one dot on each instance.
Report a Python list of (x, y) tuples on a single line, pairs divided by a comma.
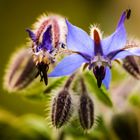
[(78, 40), (125, 15), (47, 39), (118, 39), (107, 78), (31, 35)]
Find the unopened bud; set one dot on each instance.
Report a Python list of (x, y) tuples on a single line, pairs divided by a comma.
[(86, 112), (131, 65), (20, 72), (86, 109), (61, 108)]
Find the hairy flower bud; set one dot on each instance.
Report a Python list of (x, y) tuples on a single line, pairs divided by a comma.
[(131, 65), (86, 109), (61, 108), (20, 72), (86, 112)]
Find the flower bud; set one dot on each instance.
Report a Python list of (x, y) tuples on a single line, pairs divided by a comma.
[(86, 109), (61, 108), (86, 112), (20, 72), (131, 65)]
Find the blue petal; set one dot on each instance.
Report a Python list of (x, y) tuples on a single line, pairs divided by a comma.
[(117, 40), (123, 18), (47, 39), (127, 52), (31, 35), (107, 78), (68, 65), (79, 40)]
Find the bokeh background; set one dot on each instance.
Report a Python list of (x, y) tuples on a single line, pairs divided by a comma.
[(17, 15)]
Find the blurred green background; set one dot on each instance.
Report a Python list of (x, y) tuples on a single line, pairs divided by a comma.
[(17, 15)]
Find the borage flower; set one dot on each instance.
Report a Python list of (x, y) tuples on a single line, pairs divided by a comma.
[(48, 36), (96, 52)]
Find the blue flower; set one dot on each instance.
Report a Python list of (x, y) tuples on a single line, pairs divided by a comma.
[(97, 53), (42, 52), (47, 39)]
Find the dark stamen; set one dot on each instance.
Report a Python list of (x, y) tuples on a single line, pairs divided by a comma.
[(43, 69), (128, 13), (99, 73)]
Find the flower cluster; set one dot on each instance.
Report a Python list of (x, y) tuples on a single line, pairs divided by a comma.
[(54, 35), (96, 53), (63, 105)]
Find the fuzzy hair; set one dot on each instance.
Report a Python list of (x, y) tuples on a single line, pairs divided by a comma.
[(95, 27)]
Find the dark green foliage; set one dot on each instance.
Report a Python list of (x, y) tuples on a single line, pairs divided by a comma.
[(126, 126)]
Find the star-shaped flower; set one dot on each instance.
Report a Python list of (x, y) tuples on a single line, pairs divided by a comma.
[(98, 53)]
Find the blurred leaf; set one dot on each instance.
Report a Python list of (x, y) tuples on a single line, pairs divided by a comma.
[(126, 126), (28, 127), (100, 93), (100, 126), (77, 131), (99, 122), (37, 97), (34, 92), (118, 73), (54, 85), (135, 100), (37, 124)]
